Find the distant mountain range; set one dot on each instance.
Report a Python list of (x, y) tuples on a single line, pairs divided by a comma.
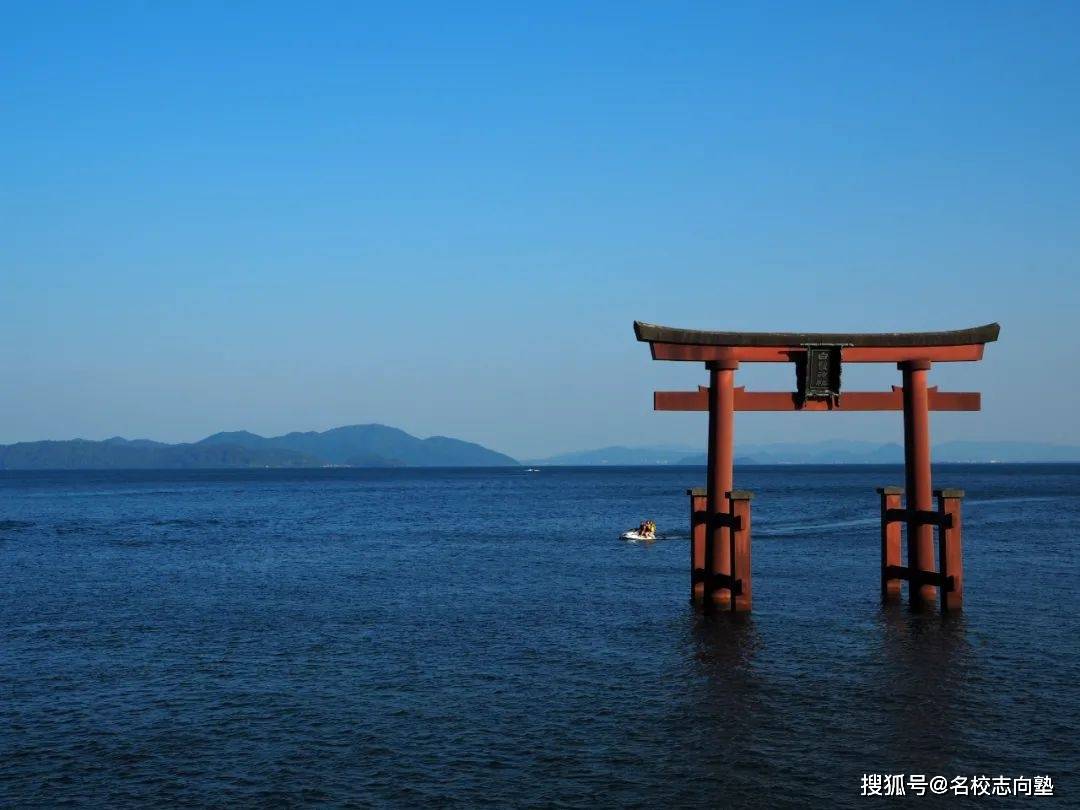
[(838, 451), (834, 451), (382, 446), (352, 446)]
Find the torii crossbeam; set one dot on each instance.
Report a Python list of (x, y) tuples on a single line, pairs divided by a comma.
[(720, 547)]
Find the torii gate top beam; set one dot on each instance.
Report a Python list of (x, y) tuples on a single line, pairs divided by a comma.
[(668, 343), (651, 333)]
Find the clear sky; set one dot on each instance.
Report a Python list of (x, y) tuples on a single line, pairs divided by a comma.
[(445, 217)]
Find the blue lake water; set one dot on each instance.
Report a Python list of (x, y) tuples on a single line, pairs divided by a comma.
[(480, 637)]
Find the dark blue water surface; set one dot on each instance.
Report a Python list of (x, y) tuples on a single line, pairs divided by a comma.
[(480, 637)]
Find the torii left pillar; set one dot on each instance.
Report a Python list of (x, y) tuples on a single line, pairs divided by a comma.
[(721, 477)]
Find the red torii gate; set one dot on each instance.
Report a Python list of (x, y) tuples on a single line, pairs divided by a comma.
[(720, 515)]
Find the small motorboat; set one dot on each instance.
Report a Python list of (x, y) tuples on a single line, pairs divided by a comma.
[(645, 532)]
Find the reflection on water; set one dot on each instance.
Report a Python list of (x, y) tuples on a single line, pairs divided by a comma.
[(721, 642), (926, 665)]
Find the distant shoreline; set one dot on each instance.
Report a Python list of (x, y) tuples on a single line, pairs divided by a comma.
[(375, 446), (522, 467)]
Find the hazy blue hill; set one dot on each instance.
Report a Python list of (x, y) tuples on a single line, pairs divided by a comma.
[(376, 446), (828, 451), (120, 440), (701, 458), (1015, 452), (840, 451), (242, 438), (891, 453), (354, 446), (358, 445), (445, 451)]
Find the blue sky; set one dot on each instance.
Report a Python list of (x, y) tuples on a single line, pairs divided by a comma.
[(446, 217)]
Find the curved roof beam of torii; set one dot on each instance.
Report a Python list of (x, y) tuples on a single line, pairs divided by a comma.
[(978, 335)]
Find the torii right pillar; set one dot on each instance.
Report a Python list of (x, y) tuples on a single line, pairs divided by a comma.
[(919, 517)]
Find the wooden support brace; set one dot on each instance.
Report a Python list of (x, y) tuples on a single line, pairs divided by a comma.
[(950, 575), (723, 519), (923, 517), (719, 581), (737, 520), (920, 577), (790, 401), (698, 503), (890, 544), (950, 548), (789, 354), (742, 598)]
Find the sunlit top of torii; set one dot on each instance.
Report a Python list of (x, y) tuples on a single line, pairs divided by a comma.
[(818, 359), (668, 343)]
